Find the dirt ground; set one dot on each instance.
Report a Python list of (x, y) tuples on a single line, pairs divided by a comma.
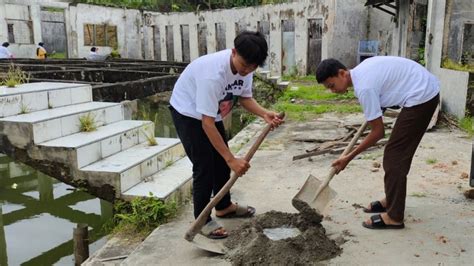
[(439, 218)]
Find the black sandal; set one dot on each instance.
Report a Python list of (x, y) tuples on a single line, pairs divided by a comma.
[(378, 223), (375, 207)]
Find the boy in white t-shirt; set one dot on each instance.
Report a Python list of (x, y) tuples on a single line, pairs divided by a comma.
[(204, 94), (380, 82)]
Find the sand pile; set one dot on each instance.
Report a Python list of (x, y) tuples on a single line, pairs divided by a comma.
[(248, 244)]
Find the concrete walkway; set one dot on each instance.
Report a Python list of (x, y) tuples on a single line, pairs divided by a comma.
[(439, 220)]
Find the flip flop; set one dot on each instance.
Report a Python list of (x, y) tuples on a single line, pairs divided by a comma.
[(240, 212), (378, 223), (210, 230), (375, 207)]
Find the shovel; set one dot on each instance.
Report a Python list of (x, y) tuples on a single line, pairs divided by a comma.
[(315, 195), (203, 242)]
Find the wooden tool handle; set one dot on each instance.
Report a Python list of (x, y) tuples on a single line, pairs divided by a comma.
[(349, 147), (202, 218)]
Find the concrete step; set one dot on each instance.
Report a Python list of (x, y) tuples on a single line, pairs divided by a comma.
[(264, 74), (54, 123), (274, 80), (283, 85), (84, 148), (172, 183), (32, 97), (129, 167)]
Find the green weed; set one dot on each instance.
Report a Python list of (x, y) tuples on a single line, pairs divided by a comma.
[(431, 161), (24, 109), (467, 124), (141, 215), (87, 123), (15, 76)]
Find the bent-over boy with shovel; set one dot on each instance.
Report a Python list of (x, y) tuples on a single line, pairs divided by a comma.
[(380, 82)]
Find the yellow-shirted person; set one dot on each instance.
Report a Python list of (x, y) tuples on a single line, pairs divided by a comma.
[(41, 51)]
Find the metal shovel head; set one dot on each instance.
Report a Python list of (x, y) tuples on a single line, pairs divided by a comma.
[(211, 245), (306, 196)]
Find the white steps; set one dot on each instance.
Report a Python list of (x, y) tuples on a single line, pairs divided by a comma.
[(164, 183), (41, 96), (43, 118), (88, 147), (131, 166)]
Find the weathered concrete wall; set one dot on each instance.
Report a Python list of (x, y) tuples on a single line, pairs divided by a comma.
[(239, 19), (462, 13), (128, 29), (454, 84), (381, 27), (53, 31)]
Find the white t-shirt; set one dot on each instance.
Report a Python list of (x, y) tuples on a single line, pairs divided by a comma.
[(4, 53), (208, 87), (384, 81)]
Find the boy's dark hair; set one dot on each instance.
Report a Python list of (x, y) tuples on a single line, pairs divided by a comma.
[(252, 46), (5, 44), (328, 68), (93, 49), (41, 44)]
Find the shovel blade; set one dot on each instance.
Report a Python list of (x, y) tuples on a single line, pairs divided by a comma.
[(211, 245), (306, 196)]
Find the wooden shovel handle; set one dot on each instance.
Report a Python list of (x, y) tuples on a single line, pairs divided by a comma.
[(349, 147), (202, 218)]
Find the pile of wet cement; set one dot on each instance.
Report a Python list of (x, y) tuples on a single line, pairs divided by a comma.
[(249, 245)]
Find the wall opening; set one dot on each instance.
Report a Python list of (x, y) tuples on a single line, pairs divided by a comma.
[(53, 31), (156, 43), (315, 33), (288, 63), (467, 56), (20, 31), (186, 56), (100, 35), (202, 38), (169, 43), (220, 36)]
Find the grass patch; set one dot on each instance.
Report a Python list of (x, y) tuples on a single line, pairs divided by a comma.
[(87, 123), (315, 93), (299, 78), (300, 111), (467, 124), (15, 76), (418, 194), (431, 161), (57, 56), (141, 216)]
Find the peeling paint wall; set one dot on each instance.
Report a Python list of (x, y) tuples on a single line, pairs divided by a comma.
[(454, 84), (462, 13)]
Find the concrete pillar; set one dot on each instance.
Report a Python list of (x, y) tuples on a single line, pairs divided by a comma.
[(211, 38), (193, 41), (3, 23), (3, 242), (178, 49), (301, 44), (274, 58), (35, 16)]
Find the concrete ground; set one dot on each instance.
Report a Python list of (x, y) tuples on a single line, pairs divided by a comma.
[(439, 219)]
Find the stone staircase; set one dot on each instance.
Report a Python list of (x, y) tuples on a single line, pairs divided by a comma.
[(43, 119), (275, 80)]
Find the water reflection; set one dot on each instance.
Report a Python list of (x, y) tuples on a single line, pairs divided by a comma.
[(38, 214)]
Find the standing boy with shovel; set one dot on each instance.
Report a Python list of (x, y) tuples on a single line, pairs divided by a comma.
[(381, 82), (203, 95)]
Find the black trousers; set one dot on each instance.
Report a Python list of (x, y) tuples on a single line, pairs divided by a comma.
[(210, 171), (407, 133)]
